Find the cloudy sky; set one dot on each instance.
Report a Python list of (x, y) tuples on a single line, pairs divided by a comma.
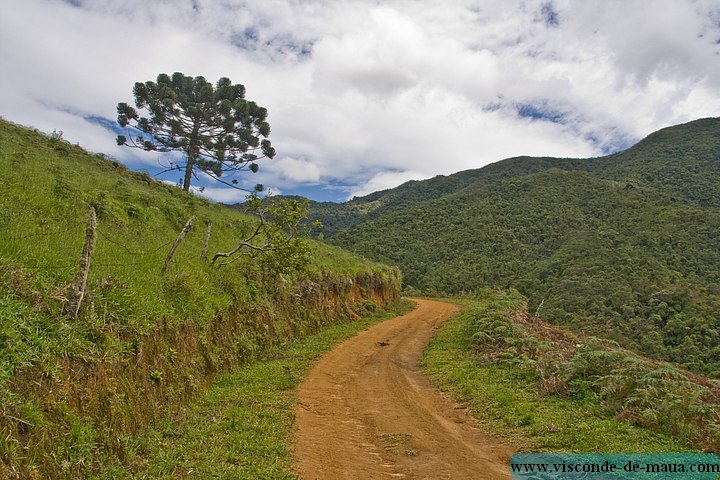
[(364, 95)]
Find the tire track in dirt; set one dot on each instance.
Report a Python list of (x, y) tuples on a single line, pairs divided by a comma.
[(366, 411)]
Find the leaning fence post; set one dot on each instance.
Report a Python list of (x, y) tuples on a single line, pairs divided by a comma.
[(204, 254), (82, 277), (183, 232)]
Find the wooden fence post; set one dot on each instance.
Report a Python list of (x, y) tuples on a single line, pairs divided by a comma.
[(183, 232), (204, 254), (81, 280)]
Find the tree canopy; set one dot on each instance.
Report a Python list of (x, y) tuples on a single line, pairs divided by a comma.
[(219, 131), (623, 246)]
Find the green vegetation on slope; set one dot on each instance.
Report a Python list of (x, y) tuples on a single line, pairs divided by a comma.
[(241, 427), (679, 163), (543, 389), (74, 390), (625, 246)]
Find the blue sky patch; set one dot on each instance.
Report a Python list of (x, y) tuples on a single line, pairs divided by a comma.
[(549, 15), (106, 123), (540, 112)]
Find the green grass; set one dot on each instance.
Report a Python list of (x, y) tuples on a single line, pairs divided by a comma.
[(508, 405), (144, 341), (48, 187), (241, 427)]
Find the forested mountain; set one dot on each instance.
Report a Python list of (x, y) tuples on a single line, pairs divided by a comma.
[(627, 245), (678, 162)]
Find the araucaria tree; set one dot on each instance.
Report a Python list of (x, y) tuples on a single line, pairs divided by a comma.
[(217, 129)]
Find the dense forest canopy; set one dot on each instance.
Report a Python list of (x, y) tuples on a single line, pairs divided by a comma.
[(626, 246)]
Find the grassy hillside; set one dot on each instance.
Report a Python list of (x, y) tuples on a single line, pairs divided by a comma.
[(543, 388), (625, 246), (144, 342)]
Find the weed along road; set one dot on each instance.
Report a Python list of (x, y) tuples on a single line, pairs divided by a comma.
[(366, 411)]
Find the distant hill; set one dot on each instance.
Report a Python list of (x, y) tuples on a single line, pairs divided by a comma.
[(627, 245), (674, 161)]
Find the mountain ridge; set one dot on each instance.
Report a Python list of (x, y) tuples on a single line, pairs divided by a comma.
[(624, 245), (338, 216)]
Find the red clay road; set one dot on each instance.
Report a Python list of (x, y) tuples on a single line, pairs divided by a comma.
[(366, 411)]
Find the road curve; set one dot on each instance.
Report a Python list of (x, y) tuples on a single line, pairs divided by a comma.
[(366, 411)]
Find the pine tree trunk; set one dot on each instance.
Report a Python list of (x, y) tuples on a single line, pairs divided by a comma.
[(193, 152), (188, 173)]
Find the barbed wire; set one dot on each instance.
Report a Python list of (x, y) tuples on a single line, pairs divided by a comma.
[(77, 225), (106, 236), (134, 264), (71, 267), (74, 266), (43, 234), (46, 266)]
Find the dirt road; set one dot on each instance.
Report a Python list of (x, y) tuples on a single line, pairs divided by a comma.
[(367, 412)]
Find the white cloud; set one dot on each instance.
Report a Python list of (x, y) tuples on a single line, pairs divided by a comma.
[(293, 170), (216, 194), (365, 93), (222, 195), (384, 181)]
